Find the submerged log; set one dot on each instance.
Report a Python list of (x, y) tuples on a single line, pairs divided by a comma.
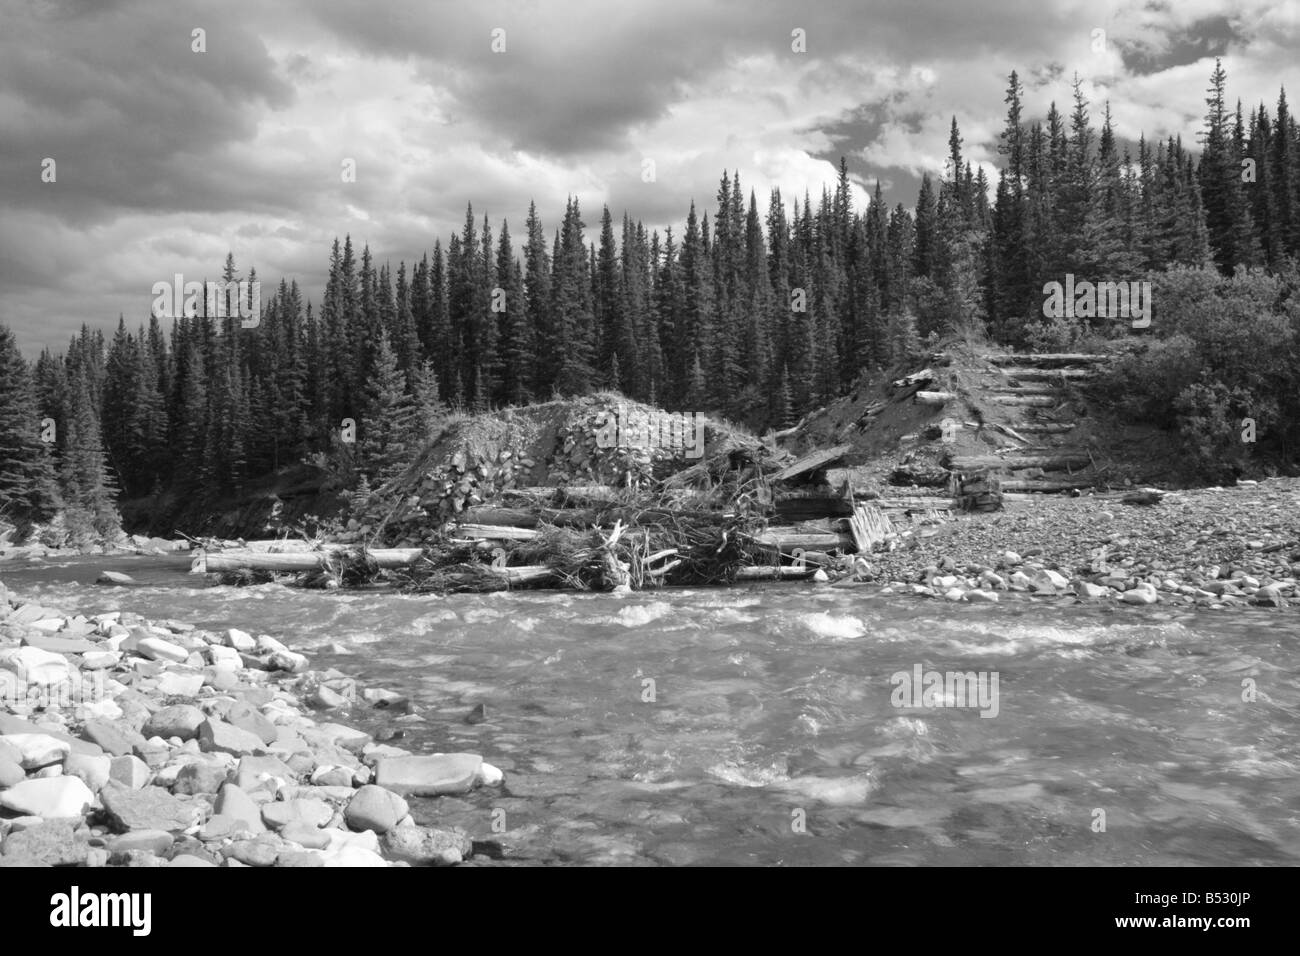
[(296, 561)]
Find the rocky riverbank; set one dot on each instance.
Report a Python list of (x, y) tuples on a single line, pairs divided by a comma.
[(1213, 548), (125, 742)]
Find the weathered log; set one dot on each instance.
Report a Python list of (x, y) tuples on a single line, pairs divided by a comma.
[(772, 573), (924, 476), (869, 527), (914, 504), (1046, 428), (787, 539), (1049, 359), (916, 378), (812, 462), (509, 517), (1040, 401), (933, 398), (1016, 462), (295, 561), (1045, 486), (524, 573), (492, 532), (1050, 374)]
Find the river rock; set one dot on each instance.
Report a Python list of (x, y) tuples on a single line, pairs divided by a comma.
[(49, 798), (312, 838), (252, 852), (189, 859), (245, 716), (157, 649), (11, 772), (130, 771), (982, 597), (375, 808), (94, 772), (235, 803), (298, 858), (329, 775), (490, 776), (38, 750), (310, 813), (201, 776), (60, 645), (150, 808), (114, 737), (180, 684), (1270, 595), (1143, 593), (263, 772), (157, 842), (426, 846), (36, 666), (217, 736), (178, 720), (290, 661), (226, 658), (52, 843), (115, 578), (429, 776)]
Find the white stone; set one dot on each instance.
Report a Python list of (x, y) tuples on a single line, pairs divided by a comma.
[(38, 750), (37, 666), (179, 684), (156, 649), (226, 657), (50, 798), (240, 640), (490, 776)]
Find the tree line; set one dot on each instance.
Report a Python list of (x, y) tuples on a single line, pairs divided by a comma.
[(755, 317)]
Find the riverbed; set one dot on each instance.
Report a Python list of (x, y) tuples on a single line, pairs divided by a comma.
[(762, 725)]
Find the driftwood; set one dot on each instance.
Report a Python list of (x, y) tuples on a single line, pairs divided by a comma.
[(509, 517), (523, 574), (772, 572), (869, 527), (1046, 428), (1039, 401), (1049, 359), (916, 378), (1045, 485), (804, 507), (1050, 374), (295, 561), (933, 398), (1014, 462), (786, 539), (492, 532), (812, 462)]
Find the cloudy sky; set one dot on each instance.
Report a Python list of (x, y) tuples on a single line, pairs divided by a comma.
[(166, 158)]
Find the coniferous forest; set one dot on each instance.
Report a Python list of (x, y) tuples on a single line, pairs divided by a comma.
[(758, 317)]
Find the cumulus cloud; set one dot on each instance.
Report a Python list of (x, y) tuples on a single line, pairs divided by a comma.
[(167, 158)]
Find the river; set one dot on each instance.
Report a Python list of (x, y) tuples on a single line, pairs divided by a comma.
[(760, 726)]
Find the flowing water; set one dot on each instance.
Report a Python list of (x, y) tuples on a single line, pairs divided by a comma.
[(759, 726)]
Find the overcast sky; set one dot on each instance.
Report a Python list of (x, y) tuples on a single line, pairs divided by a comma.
[(167, 158)]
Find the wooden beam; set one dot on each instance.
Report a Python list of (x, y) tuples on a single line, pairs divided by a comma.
[(934, 398)]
